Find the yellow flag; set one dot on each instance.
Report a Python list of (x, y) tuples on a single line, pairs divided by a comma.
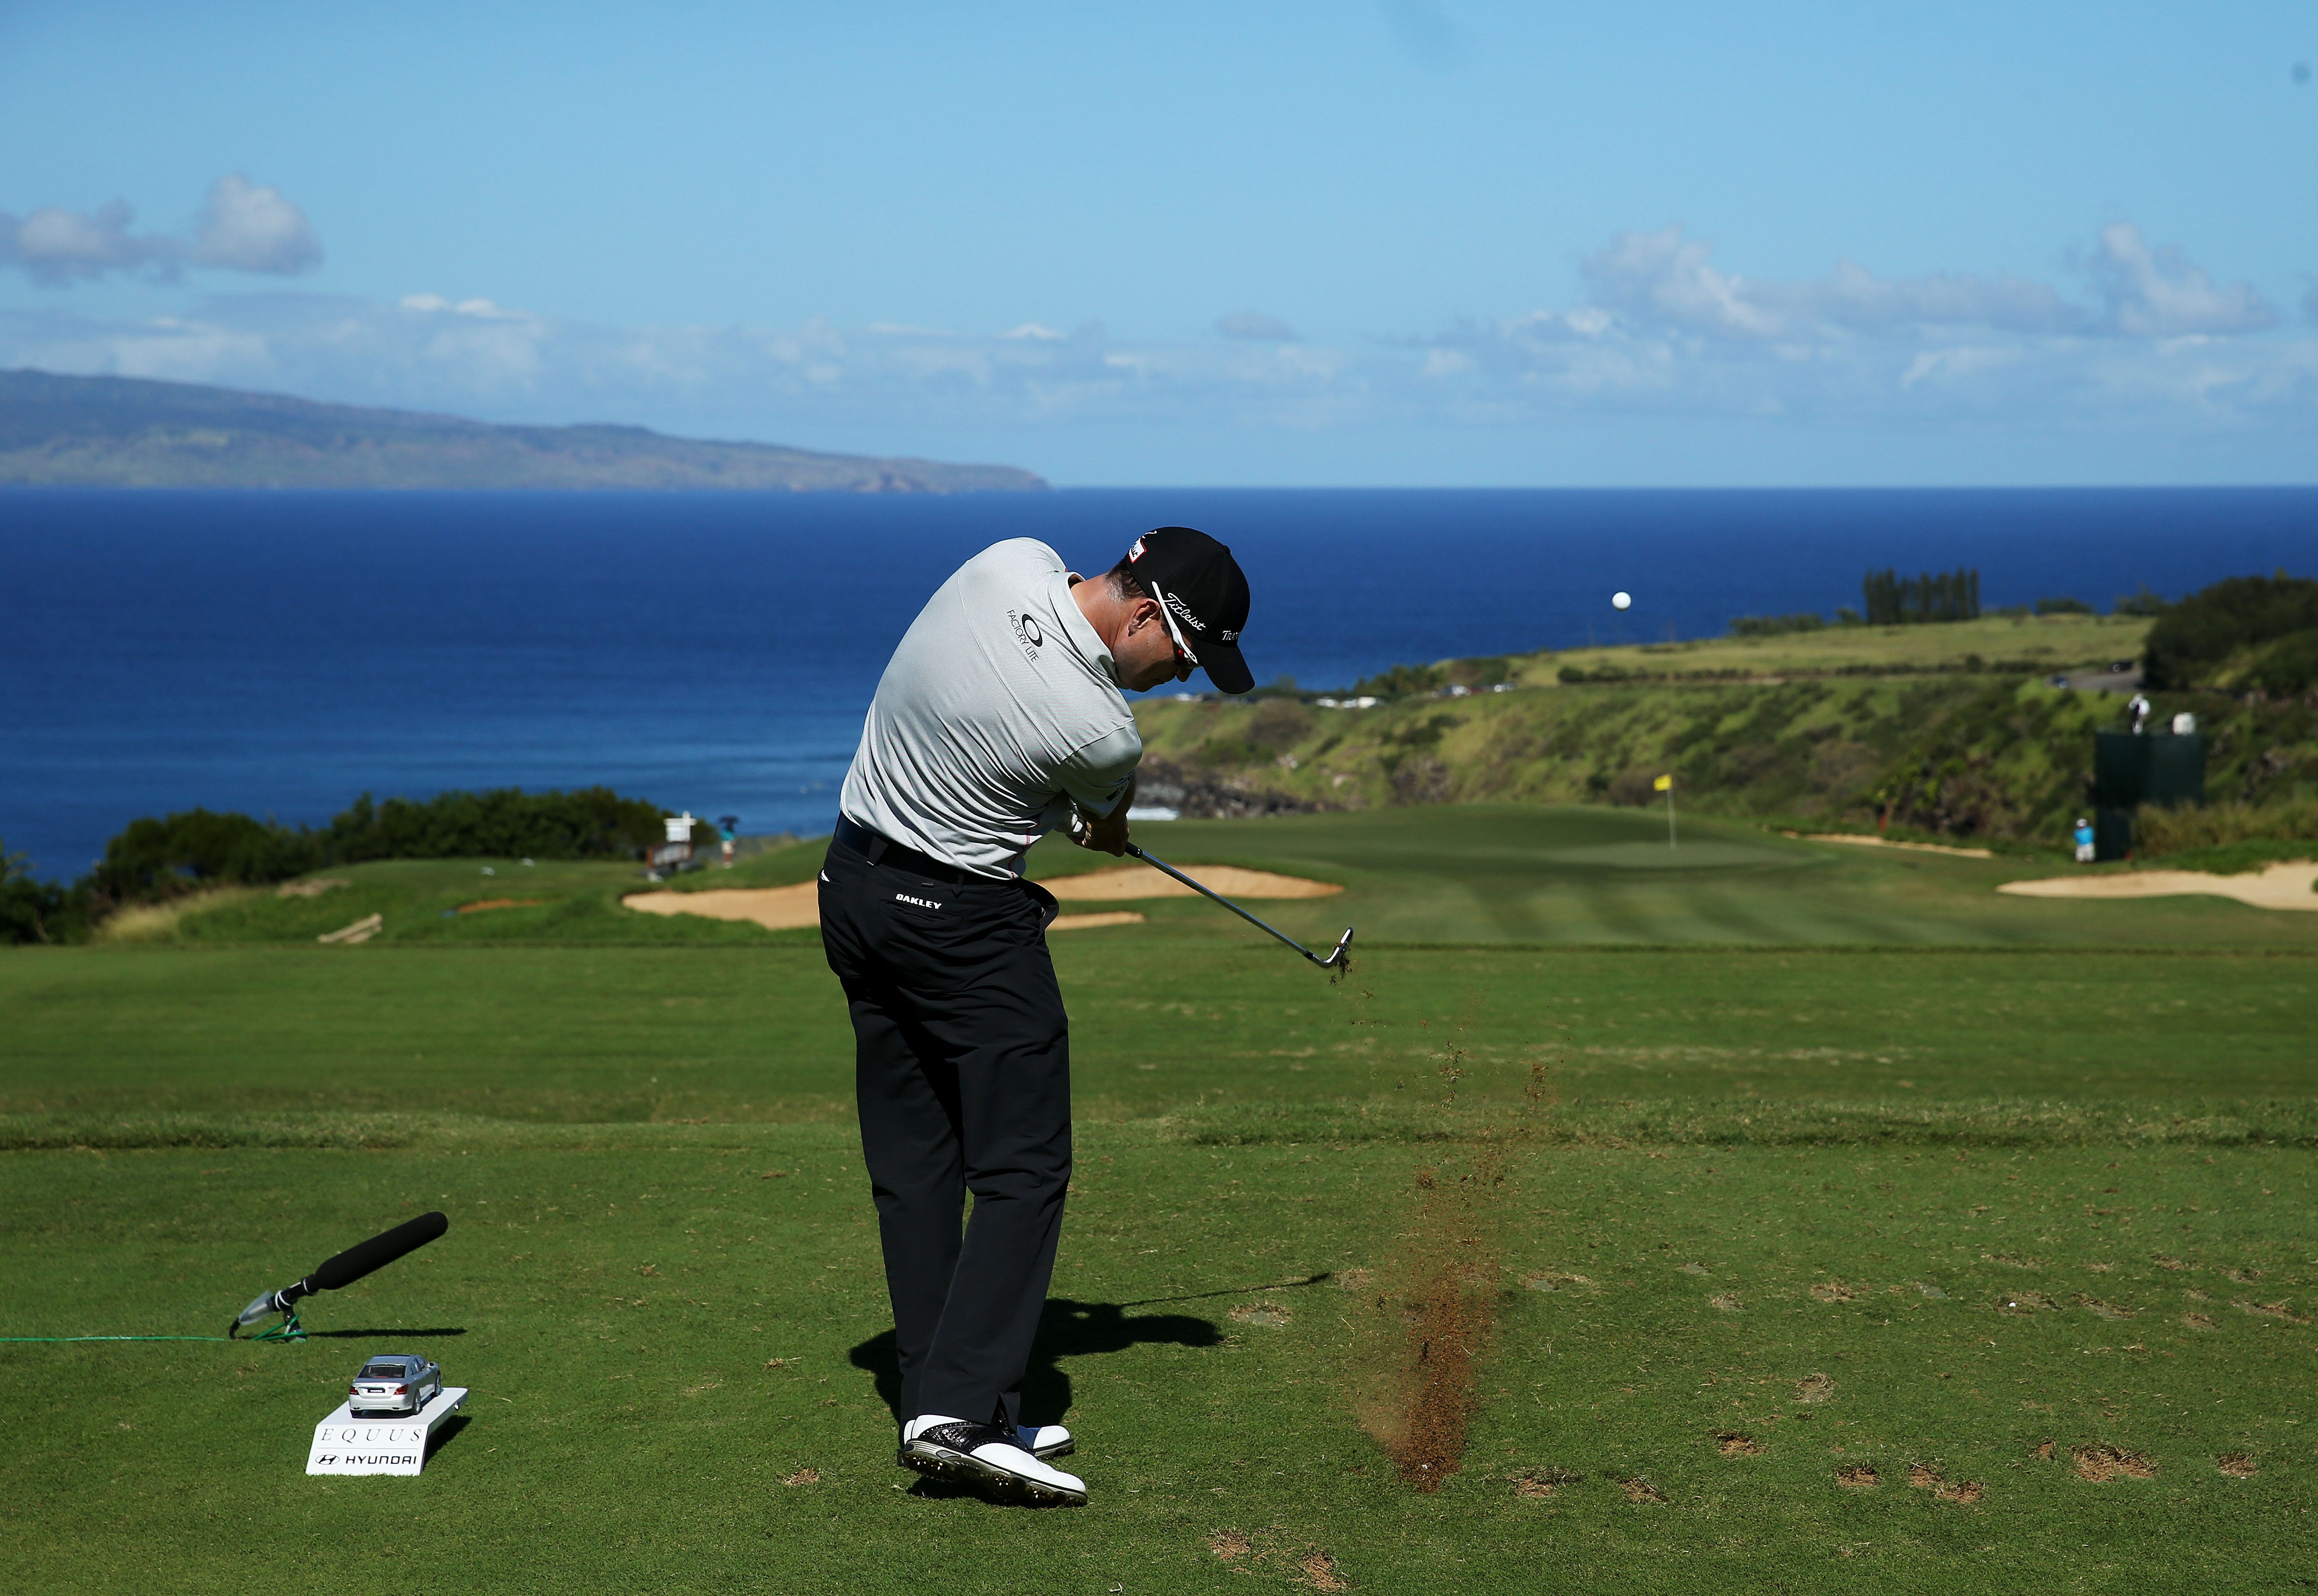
[(1664, 784)]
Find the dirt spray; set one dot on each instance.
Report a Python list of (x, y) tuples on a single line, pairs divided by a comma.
[(1427, 1315)]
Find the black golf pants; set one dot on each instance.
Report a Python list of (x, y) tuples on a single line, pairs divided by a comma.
[(962, 1068)]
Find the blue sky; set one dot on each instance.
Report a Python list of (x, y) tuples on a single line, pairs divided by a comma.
[(1414, 241)]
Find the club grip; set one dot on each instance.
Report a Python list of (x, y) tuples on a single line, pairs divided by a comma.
[(379, 1251)]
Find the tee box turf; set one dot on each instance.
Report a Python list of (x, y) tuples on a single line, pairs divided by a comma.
[(347, 1443)]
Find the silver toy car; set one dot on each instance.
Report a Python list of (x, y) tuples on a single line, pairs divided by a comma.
[(394, 1383)]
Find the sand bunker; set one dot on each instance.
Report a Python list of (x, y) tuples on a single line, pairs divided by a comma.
[(1913, 848), (1126, 881), (2279, 886), (776, 909), (1092, 922), (786, 908)]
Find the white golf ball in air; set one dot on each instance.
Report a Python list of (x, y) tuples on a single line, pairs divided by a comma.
[(1619, 601)]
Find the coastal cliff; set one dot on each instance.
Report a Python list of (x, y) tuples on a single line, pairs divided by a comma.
[(123, 432)]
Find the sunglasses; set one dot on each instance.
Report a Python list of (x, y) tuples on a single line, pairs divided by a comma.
[(1186, 661)]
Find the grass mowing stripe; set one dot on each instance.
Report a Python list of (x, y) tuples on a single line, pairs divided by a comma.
[(1665, 1122), (599, 1034)]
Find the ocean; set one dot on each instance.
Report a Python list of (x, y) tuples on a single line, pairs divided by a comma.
[(281, 653)]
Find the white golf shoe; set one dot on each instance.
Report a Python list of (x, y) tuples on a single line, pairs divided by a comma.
[(988, 1459), (1043, 1441)]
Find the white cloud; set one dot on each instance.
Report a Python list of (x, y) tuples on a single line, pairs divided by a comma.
[(247, 228), (1664, 332), (55, 246), (242, 228), (1663, 279), (2155, 294)]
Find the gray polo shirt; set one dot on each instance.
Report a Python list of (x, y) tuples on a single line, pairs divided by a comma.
[(999, 709)]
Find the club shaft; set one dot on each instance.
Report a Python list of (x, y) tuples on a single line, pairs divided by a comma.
[(1158, 863)]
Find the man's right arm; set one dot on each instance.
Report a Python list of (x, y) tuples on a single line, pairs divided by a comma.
[(1099, 780), (1106, 834)]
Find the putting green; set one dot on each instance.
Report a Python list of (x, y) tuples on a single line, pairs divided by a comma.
[(1712, 853)]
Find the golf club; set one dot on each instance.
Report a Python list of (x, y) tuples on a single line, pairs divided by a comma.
[(1336, 959), (343, 1269)]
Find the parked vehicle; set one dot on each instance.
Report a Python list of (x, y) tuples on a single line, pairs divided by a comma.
[(395, 1383)]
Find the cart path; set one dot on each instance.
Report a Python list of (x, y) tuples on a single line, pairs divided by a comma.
[(2278, 886)]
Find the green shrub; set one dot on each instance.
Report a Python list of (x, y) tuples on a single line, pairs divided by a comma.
[(2142, 603), (2162, 832), (1776, 626), (1402, 681), (2285, 667), (506, 822), (2063, 606), (30, 910), (154, 860), (2192, 640)]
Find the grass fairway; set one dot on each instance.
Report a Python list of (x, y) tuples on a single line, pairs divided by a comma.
[(2022, 1225)]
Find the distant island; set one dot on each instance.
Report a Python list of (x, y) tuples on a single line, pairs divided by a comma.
[(124, 432)]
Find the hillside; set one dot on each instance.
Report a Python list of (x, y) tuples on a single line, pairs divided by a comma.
[(1954, 730), (121, 432)]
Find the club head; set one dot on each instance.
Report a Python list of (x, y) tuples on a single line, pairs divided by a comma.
[(1336, 958), (264, 1307)]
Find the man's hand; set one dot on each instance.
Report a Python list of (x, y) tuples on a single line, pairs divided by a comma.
[(1105, 836)]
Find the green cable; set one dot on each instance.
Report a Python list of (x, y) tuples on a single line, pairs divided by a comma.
[(289, 1329), (119, 1337)]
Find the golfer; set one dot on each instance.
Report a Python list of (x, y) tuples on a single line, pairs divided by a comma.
[(1000, 717)]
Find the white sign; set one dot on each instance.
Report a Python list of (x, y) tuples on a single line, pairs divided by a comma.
[(347, 1442)]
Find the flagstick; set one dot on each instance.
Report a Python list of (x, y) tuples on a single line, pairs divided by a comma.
[(1669, 814)]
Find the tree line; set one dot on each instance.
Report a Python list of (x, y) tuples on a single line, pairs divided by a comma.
[(153, 860), (1891, 599)]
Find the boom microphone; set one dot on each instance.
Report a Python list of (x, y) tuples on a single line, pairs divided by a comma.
[(345, 1268)]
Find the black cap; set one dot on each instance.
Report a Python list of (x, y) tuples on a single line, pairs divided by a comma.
[(1204, 593)]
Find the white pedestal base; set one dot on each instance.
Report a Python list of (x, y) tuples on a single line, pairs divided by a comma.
[(347, 1442)]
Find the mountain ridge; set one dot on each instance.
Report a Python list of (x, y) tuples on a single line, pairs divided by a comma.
[(133, 432)]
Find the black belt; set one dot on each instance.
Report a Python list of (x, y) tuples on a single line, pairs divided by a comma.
[(881, 849)]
